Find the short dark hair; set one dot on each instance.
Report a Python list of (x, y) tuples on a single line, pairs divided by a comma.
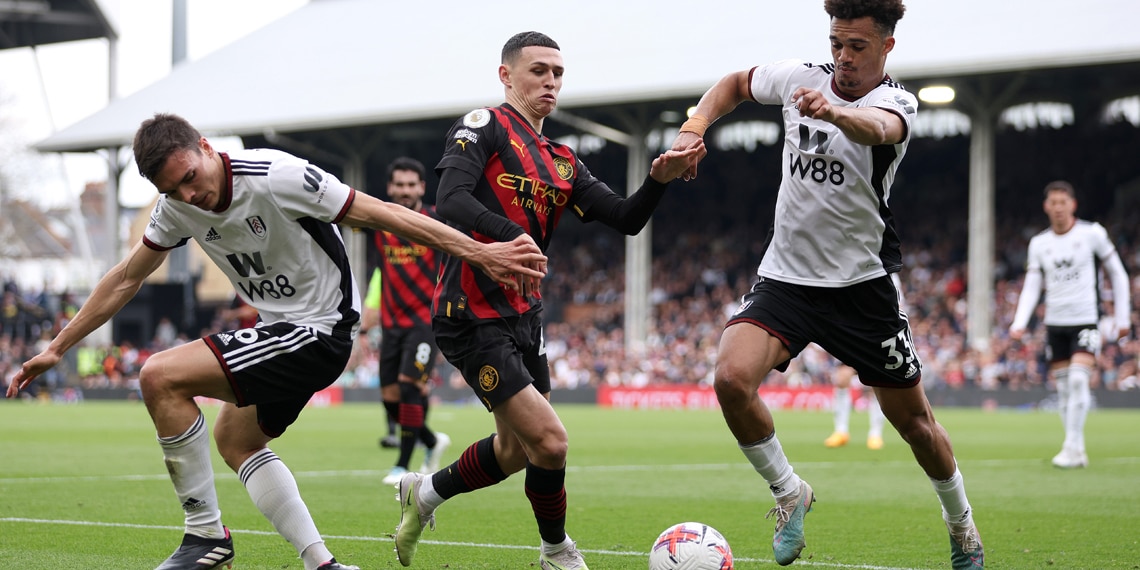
[(159, 137), (515, 45), (1060, 186), (885, 13), (406, 163)]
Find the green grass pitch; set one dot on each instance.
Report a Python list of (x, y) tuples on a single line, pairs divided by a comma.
[(83, 486)]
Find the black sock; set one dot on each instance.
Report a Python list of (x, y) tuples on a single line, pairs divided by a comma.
[(476, 468), (546, 489)]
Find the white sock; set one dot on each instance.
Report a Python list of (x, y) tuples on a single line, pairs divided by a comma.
[(274, 492), (841, 398), (428, 496), (1078, 409), (549, 549), (875, 415), (187, 459), (1061, 380), (952, 495), (768, 459)]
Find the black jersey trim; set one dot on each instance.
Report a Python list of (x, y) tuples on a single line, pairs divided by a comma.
[(324, 235)]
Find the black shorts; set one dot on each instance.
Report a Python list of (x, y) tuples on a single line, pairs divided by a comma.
[(1061, 343), (407, 351), (497, 357), (278, 367), (861, 325)]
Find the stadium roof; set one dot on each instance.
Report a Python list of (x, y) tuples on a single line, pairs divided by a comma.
[(27, 23), (346, 63)]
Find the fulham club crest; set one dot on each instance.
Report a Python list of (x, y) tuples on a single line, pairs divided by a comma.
[(257, 226)]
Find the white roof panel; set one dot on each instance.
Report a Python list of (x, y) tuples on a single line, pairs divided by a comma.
[(336, 63)]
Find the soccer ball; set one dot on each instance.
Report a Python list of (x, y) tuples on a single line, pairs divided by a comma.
[(690, 546)]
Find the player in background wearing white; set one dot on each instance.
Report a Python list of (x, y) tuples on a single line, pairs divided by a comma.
[(268, 220), (843, 379), (1064, 260), (824, 271)]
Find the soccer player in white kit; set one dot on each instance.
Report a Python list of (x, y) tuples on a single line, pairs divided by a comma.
[(1064, 260), (824, 275), (268, 220)]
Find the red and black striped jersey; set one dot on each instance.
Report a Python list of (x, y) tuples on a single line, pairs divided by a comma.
[(522, 176), (408, 275)]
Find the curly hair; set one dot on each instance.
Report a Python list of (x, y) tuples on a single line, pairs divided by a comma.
[(885, 13)]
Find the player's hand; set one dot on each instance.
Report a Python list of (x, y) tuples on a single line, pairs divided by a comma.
[(1016, 334), (512, 263), (812, 103), (676, 163), (529, 286), (39, 364), (686, 141)]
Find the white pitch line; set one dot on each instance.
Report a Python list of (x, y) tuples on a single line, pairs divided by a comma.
[(18, 520), (800, 466)]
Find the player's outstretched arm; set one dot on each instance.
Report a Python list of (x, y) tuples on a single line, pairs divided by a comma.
[(112, 292), (503, 262), (718, 101)]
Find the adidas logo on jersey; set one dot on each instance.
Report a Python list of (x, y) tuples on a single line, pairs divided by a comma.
[(225, 338), (213, 235)]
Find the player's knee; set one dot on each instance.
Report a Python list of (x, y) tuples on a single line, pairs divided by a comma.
[(233, 454), (731, 384), (152, 377), (551, 449)]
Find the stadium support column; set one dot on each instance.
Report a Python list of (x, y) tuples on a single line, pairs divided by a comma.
[(116, 163), (638, 249), (980, 287)]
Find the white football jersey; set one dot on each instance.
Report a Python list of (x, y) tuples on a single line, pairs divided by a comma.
[(832, 226), (274, 235), (1069, 264)]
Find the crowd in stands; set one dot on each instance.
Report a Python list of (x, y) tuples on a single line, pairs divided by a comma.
[(706, 244), (696, 283)]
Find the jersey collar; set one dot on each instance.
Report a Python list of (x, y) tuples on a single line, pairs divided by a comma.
[(525, 123), (227, 196)]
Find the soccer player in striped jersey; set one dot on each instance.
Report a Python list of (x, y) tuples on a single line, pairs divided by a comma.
[(408, 272), (268, 220), (824, 275), (501, 178), (1065, 261)]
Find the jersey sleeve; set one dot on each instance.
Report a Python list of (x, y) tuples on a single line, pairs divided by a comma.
[(304, 190), (470, 143), (1033, 256), (896, 100), (1104, 247), (163, 232), (771, 84), (587, 190)]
